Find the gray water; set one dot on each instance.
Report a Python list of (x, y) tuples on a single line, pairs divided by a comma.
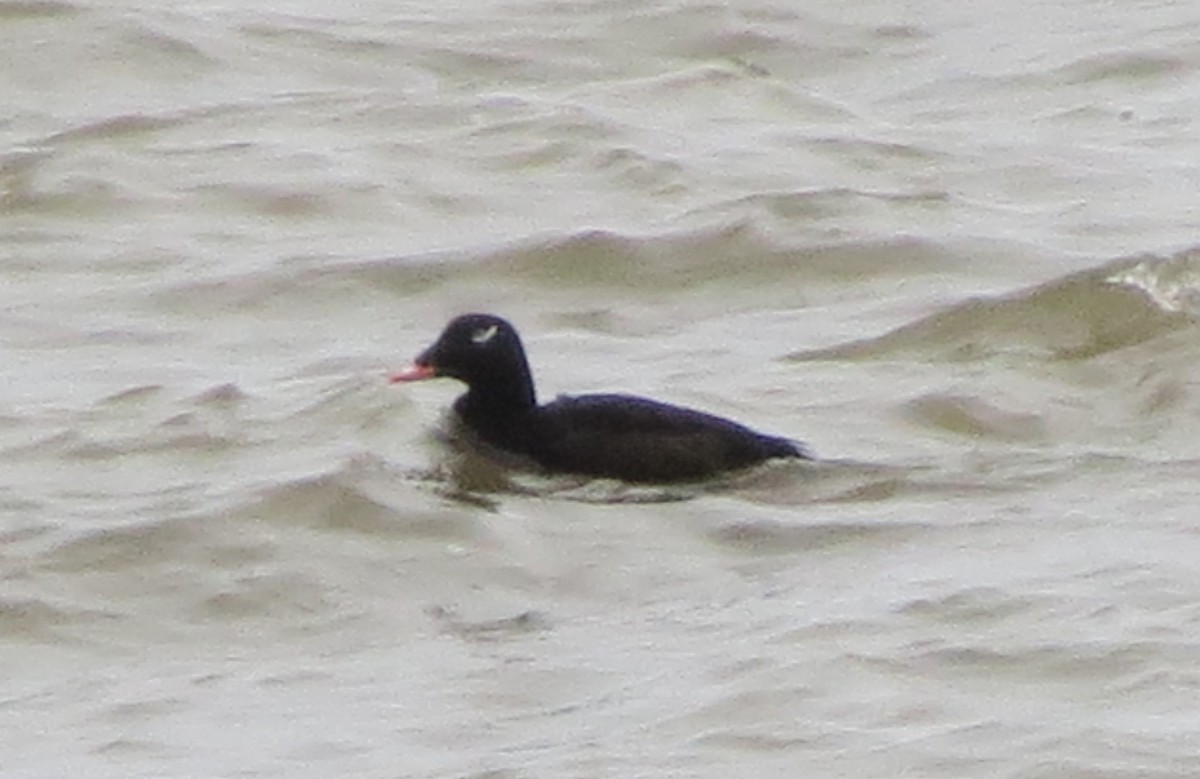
[(951, 246)]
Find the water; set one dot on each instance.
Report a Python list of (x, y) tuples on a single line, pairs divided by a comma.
[(950, 246)]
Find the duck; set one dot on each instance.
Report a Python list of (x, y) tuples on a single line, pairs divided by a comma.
[(613, 436)]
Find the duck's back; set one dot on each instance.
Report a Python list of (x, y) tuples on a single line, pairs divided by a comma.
[(637, 439)]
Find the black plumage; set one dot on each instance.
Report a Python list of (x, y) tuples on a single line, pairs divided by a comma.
[(616, 436)]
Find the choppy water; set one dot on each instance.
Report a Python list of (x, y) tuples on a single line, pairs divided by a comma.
[(953, 247)]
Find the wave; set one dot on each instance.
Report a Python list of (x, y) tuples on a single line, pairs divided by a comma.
[(735, 254), (490, 629), (776, 537), (364, 496), (41, 620), (145, 420), (233, 556), (976, 418), (1124, 65), (1077, 317), (1099, 361), (37, 9)]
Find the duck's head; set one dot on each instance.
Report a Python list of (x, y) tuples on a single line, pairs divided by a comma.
[(482, 351)]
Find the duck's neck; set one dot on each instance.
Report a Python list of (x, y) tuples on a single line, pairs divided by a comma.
[(494, 403), (500, 398), (502, 419)]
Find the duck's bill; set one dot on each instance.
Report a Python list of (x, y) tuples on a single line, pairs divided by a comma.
[(415, 373)]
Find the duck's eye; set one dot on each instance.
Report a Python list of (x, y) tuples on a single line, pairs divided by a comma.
[(484, 334)]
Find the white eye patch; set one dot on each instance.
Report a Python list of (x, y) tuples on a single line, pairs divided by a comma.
[(484, 335)]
